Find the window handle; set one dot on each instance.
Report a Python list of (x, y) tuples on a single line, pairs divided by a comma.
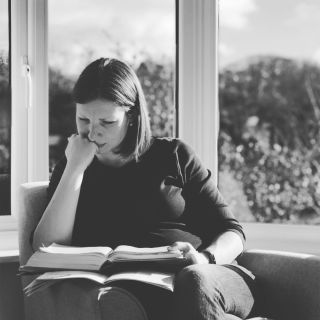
[(27, 73)]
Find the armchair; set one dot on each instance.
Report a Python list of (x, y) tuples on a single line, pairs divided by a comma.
[(290, 281)]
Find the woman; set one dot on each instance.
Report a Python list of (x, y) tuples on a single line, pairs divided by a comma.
[(118, 185)]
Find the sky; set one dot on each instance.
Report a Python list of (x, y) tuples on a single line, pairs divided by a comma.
[(288, 28), (4, 38), (80, 30), (89, 29)]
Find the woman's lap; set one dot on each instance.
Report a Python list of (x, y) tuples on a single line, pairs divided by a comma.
[(157, 302), (201, 292)]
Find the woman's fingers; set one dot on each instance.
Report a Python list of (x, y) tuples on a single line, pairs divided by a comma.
[(191, 255), (71, 136), (184, 247)]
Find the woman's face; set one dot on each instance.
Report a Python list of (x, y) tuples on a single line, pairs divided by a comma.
[(102, 122)]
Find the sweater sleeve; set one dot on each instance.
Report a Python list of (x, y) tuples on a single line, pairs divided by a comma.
[(207, 213)]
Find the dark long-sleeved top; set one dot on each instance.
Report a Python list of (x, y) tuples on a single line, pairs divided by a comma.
[(164, 197)]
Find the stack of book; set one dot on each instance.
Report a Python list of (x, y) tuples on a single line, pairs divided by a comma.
[(102, 265)]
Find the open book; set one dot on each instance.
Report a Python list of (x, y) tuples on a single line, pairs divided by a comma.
[(59, 257), (159, 279)]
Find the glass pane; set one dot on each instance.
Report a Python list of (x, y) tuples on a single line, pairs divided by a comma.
[(269, 95), (5, 110), (141, 32)]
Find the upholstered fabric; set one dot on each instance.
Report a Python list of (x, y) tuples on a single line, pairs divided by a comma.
[(290, 282), (33, 202)]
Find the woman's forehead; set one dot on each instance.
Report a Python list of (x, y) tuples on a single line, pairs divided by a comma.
[(101, 107)]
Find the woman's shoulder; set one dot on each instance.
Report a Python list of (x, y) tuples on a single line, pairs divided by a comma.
[(168, 152), (170, 144)]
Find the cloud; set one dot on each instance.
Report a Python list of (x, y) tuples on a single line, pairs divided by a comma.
[(225, 50), (304, 13), (316, 56), (80, 31), (226, 53), (234, 13)]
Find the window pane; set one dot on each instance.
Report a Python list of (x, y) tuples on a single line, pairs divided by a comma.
[(141, 32), (269, 96), (5, 110)]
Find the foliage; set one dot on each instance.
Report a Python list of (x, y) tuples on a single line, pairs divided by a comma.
[(157, 83), (270, 136), (5, 115)]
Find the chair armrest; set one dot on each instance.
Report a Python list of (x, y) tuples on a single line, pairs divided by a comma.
[(33, 202), (290, 283)]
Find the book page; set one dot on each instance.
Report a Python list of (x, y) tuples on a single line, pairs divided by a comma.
[(127, 253), (49, 278), (60, 275), (136, 250), (62, 249), (159, 279)]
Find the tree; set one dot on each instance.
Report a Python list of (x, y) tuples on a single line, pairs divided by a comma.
[(270, 136)]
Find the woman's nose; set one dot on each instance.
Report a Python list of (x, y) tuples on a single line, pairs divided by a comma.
[(93, 133)]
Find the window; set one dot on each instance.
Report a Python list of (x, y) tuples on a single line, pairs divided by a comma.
[(80, 33), (5, 110), (269, 98)]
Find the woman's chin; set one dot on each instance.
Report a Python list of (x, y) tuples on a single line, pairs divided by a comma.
[(102, 149)]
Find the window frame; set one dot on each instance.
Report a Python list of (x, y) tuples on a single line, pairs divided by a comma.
[(197, 84), (29, 103), (198, 115), (197, 72)]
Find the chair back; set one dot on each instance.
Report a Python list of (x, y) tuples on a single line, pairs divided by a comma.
[(33, 201)]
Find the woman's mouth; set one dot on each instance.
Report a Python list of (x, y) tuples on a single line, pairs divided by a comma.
[(100, 145)]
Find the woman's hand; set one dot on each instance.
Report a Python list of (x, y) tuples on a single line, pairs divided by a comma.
[(189, 252), (80, 152)]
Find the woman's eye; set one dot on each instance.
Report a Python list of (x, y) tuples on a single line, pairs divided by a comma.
[(106, 123), (83, 119)]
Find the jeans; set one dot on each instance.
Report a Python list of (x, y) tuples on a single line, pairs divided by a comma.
[(202, 292)]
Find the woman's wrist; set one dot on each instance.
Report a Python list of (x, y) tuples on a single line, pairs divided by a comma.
[(74, 174), (210, 256)]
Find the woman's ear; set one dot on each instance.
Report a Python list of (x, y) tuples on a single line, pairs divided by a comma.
[(132, 114)]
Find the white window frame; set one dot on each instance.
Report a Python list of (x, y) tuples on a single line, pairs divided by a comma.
[(198, 94), (198, 79), (30, 111), (197, 89)]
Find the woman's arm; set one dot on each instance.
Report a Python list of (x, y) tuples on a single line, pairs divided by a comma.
[(225, 248), (208, 215), (56, 223)]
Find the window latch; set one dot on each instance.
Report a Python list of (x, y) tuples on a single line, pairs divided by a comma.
[(27, 73)]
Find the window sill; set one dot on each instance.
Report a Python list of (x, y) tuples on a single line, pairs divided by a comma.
[(284, 237), (295, 238), (9, 248)]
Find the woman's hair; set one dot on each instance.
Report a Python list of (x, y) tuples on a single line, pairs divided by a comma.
[(115, 81)]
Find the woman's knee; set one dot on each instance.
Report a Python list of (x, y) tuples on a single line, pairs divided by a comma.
[(199, 277), (198, 294)]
